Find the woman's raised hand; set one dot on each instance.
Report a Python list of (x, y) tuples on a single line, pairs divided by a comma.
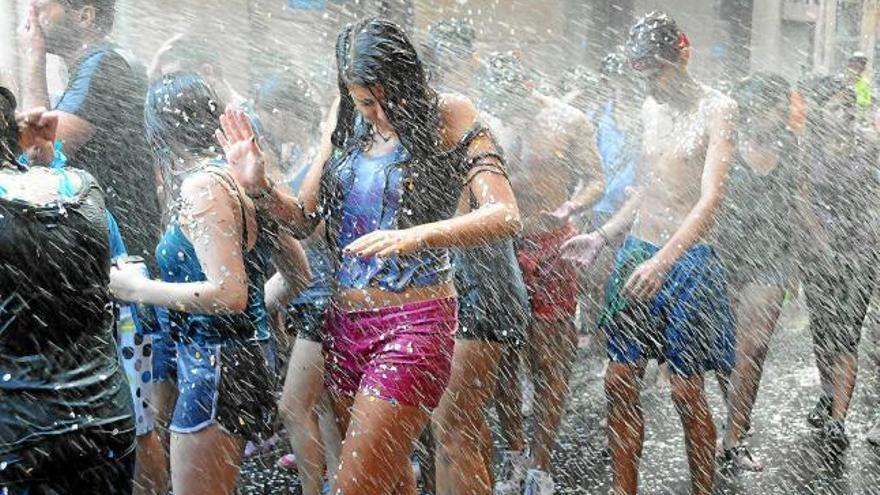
[(246, 160)]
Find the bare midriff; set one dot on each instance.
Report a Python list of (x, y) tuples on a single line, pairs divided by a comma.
[(348, 299)]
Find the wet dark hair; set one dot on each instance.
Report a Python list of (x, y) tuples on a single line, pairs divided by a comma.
[(181, 113), (759, 92), (655, 35), (377, 52), (105, 11), (9, 148)]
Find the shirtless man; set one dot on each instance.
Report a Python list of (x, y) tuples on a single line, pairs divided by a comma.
[(549, 149), (667, 296)]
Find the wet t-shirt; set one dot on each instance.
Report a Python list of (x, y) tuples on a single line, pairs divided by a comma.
[(59, 371), (755, 226), (844, 190), (108, 93)]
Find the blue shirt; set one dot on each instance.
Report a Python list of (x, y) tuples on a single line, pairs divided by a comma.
[(106, 91), (179, 263), (618, 161), (371, 200)]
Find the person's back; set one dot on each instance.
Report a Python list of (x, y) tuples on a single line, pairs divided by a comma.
[(108, 92), (56, 343), (66, 416)]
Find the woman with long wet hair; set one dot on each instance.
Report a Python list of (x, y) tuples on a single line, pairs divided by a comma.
[(213, 258), (395, 165)]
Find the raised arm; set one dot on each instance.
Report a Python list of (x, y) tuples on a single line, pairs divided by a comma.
[(215, 231), (248, 163), (34, 42)]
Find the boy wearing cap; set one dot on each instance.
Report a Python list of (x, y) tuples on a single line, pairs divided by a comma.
[(667, 297)]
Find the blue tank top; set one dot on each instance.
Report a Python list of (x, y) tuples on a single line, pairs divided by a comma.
[(371, 194), (179, 263)]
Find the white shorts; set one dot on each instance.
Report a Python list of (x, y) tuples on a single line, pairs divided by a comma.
[(136, 355)]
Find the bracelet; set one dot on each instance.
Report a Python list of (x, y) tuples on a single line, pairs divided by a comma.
[(265, 193)]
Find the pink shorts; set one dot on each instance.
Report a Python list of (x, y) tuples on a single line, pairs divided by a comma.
[(399, 354)]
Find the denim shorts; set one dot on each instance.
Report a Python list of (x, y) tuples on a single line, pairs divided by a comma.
[(230, 384), (164, 358)]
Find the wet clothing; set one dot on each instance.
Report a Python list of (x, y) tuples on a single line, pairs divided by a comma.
[(136, 355), (618, 153), (844, 194), (689, 322), (551, 281), (60, 378), (225, 370), (87, 462), (755, 227), (838, 284), (838, 291), (401, 353), (493, 301), (372, 189), (223, 384), (108, 92), (164, 357), (179, 263)]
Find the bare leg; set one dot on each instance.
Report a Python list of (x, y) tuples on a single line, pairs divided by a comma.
[(155, 474), (459, 421), (377, 446), (845, 372), (330, 435), (302, 391), (757, 310), (206, 462), (626, 425), (151, 467), (689, 397), (508, 399), (551, 351)]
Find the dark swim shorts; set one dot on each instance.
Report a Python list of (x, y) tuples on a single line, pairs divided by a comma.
[(688, 324)]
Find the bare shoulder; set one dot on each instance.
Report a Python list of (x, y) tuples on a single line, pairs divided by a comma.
[(458, 115), (561, 117), (719, 105), (205, 186)]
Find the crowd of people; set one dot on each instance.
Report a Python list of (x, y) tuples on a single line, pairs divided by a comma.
[(191, 275)]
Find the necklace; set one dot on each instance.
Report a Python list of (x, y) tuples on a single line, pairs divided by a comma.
[(384, 139)]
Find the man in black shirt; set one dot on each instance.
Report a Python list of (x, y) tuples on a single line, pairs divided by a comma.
[(100, 113)]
